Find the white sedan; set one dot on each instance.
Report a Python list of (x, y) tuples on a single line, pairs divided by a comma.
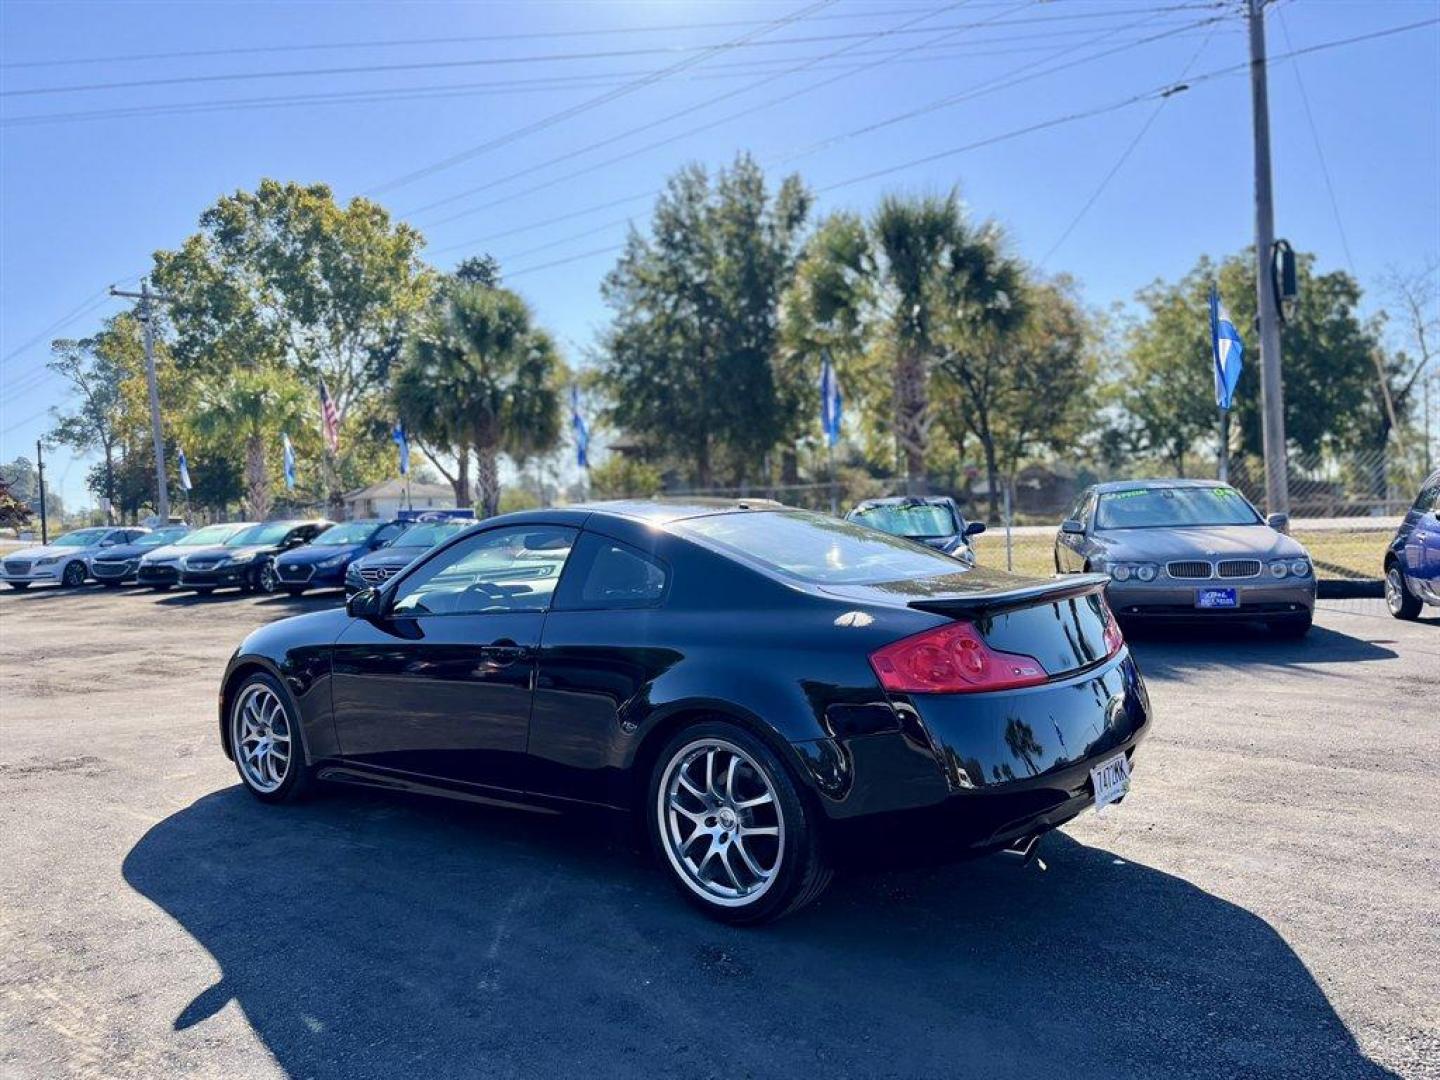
[(65, 560)]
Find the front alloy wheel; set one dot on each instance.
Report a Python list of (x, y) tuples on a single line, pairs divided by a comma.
[(732, 826), (74, 575), (1403, 604), (268, 581), (265, 742)]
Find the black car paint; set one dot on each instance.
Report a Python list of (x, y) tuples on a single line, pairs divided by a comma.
[(244, 575), (787, 661)]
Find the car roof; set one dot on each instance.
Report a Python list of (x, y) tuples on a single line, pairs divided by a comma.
[(1162, 482), (665, 511)]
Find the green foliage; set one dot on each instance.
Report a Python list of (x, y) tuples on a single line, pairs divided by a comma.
[(690, 360), (246, 409), (1328, 355), (620, 477), (283, 278), (14, 514), (477, 374)]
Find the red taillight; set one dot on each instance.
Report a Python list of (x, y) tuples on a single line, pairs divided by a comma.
[(1114, 639), (952, 659)]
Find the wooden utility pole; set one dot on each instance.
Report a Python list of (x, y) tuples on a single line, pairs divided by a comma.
[(40, 479), (157, 435)]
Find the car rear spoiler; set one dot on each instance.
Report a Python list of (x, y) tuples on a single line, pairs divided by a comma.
[(994, 601)]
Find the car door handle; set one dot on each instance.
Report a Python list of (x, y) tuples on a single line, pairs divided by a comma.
[(504, 652)]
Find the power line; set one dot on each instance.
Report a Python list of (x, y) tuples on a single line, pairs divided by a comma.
[(685, 112), (34, 377), (1125, 154), (986, 86), (426, 65), (590, 103), (1319, 149), (1067, 118)]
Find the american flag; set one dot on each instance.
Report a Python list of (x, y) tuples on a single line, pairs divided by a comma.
[(329, 418)]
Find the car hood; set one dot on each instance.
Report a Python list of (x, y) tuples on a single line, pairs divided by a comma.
[(392, 556), (124, 551), (168, 552), (1204, 542), (33, 553), (225, 551), (308, 556)]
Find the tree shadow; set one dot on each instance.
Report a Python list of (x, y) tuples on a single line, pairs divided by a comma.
[(364, 935), (1174, 650)]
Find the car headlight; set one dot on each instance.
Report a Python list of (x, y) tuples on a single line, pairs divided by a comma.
[(1146, 571), (240, 558), (1279, 569), (1120, 572), (1140, 571), (48, 560), (1299, 567), (334, 561)]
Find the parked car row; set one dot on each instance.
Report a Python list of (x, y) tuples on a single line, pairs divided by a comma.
[(292, 556)]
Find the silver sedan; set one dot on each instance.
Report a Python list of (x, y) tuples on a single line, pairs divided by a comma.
[(1188, 549)]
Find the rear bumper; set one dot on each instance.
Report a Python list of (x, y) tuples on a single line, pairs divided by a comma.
[(971, 773), (1174, 600)]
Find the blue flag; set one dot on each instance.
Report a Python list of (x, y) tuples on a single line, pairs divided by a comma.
[(404, 444), (289, 462), (184, 470), (582, 432), (830, 400), (1227, 351)]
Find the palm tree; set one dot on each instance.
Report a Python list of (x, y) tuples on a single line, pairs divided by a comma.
[(907, 280), (478, 375), (250, 406)]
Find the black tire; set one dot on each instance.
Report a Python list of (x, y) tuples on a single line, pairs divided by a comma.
[(19, 586), (1296, 627), (1401, 602), (74, 575), (295, 590), (801, 871), (266, 581), (298, 779)]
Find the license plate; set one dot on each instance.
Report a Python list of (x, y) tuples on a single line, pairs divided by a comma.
[(1111, 780), (1216, 598)]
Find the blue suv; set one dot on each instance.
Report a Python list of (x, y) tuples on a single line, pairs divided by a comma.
[(321, 564), (1412, 562)]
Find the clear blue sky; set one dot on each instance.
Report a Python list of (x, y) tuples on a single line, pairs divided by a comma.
[(85, 201)]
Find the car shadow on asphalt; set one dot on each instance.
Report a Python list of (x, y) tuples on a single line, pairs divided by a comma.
[(1166, 651), (369, 935)]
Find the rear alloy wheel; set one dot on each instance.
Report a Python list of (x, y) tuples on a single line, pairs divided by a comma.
[(74, 575), (265, 741), (732, 827), (1403, 604), (267, 580)]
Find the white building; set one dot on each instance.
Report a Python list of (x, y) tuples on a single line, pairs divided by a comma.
[(384, 499)]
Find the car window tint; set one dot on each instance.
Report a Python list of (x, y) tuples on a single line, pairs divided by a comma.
[(916, 520), (606, 574), (388, 533), (816, 547), (511, 569), (1173, 507)]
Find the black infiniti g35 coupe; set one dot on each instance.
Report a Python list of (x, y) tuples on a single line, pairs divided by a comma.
[(772, 689)]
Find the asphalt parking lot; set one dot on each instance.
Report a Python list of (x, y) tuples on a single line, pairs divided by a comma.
[(1265, 904)]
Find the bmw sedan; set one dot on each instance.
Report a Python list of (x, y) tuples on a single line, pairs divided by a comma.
[(65, 560), (768, 689), (935, 522), (1412, 561), (245, 561), (160, 568), (322, 563), (1189, 550), (115, 566)]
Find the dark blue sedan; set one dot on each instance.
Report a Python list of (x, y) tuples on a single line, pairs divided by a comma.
[(321, 564), (1412, 562)]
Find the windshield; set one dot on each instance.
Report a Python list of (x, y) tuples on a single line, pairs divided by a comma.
[(918, 520), (818, 548), (428, 534), (1172, 507), (211, 534), (81, 538), (159, 538), (260, 534), (352, 532)]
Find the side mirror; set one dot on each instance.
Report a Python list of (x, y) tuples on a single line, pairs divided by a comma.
[(1072, 527), (365, 604), (974, 528), (1279, 522), (294, 542)]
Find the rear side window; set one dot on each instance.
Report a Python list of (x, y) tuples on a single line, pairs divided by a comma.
[(817, 548), (605, 574)]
